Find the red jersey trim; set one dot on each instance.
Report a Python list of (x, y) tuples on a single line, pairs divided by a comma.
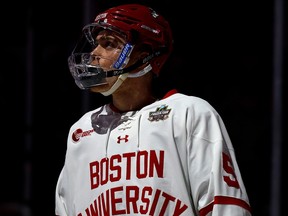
[(113, 108), (223, 200), (169, 93)]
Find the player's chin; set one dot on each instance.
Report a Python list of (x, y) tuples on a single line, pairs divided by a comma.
[(100, 88)]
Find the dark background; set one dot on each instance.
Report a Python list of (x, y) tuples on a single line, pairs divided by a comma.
[(226, 52)]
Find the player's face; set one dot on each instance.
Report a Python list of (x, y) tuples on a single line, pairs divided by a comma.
[(105, 54), (108, 49)]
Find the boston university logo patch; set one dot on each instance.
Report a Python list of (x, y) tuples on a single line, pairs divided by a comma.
[(161, 113)]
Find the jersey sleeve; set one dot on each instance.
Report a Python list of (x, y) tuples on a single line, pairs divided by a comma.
[(65, 187), (216, 184), (60, 206)]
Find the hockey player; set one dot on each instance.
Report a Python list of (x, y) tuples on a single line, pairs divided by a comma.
[(141, 154)]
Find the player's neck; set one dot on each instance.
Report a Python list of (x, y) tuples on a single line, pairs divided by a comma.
[(133, 95), (132, 102)]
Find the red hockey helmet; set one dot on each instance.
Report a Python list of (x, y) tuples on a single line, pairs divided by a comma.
[(140, 24), (137, 25)]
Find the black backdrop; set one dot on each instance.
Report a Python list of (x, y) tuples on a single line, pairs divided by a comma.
[(224, 55)]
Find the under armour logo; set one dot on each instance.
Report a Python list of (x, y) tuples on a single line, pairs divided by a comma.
[(122, 138)]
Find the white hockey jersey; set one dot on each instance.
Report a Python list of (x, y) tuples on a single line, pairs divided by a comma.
[(172, 157)]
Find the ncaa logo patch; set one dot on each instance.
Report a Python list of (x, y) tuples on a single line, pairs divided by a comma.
[(161, 113)]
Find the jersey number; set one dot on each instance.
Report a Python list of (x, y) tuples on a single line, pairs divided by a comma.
[(231, 179)]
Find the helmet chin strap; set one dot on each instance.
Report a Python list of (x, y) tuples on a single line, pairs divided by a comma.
[(123, 77), (141, 72), (116, 85)]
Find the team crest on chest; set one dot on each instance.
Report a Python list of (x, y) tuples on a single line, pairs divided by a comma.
[(161, 113)]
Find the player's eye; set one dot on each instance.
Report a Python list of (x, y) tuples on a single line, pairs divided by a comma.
[(108, 42)]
